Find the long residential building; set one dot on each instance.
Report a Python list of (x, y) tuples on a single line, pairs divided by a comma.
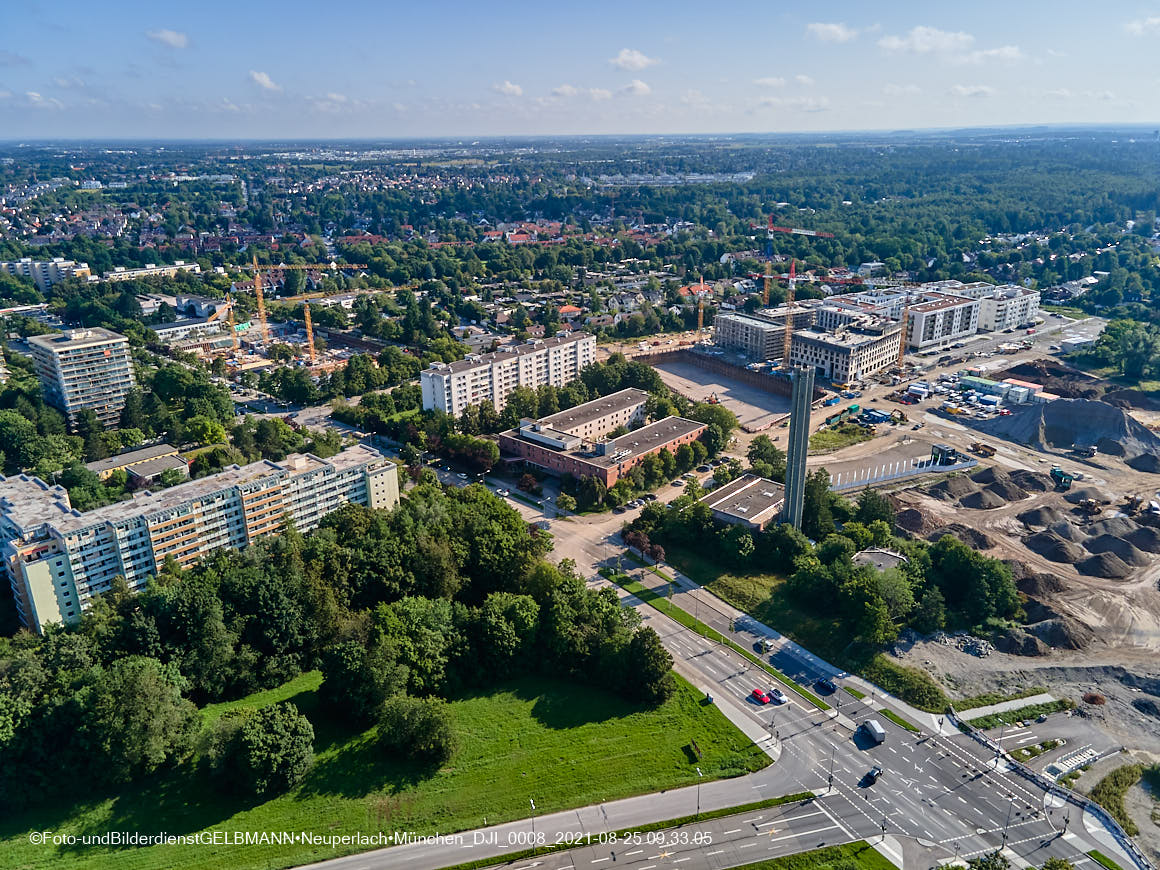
[(57, 559), (151, 270), (84, 369), (45, 273), (857, 347), (491, 377), (759, 336)]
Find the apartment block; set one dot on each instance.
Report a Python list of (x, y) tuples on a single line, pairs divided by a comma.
[(857, 348), (1007, 307), (759, 336), (151, 270), (45, 273), (84, 369), (57, 559), (941, 318), (451, 387)]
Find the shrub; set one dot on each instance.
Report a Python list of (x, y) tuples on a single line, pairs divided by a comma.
[(417, 728), (261, 752)]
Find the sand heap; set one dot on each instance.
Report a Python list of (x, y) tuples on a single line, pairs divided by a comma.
[(1145, 538), (1042, 517), (1082, 493), (1064, 423), (1053, 547), (1107, 565), (953, 488), (973, 538), (1127, 553)]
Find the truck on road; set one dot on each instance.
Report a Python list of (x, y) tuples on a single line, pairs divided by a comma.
[(874, 730)]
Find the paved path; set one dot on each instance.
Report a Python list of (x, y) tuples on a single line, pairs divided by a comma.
[(1003, 707)]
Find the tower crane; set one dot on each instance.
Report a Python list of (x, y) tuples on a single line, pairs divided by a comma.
[(902, 336), (230, 320), (787, 341), (262, 323)]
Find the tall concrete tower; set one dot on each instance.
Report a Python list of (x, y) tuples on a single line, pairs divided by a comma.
[(799, 443)]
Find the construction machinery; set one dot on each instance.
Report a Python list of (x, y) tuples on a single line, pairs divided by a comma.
[(902, 335), (981, 449), (787, 341), (1061, 478), (713, 400), (233, 326), (1090, 506), (898, 417)]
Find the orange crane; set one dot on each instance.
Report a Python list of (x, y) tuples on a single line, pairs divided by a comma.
[(902, 337), (265, 327), (233, 328), (787, 341)]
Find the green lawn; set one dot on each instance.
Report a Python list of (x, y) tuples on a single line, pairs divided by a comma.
[(859, 856), (1103, 860), (898, 720), (1031, 711), (837, 437), (562, 744)]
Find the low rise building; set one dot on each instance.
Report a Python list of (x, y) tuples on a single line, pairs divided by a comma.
[(748, 500), (104, 467), (575, 441), (150, 270), (58, 559)]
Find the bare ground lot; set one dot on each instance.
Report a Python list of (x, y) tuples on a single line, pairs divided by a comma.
[(752, 406)]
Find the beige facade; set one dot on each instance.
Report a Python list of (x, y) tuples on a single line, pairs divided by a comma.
[(45, 273), (84, 369), (852, 352)]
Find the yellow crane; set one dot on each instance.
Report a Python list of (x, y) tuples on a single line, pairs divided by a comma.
[(263, 325), (787, 339), (902, 337), (230, 319)]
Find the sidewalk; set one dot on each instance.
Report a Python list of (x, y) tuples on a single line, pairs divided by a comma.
[(979, 712)]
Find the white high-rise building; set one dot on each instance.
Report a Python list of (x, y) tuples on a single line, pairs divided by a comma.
[(84, 369), (57, 559), (45, 273), (451, 387)]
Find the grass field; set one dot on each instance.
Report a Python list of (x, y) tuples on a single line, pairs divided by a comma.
[(563, 745), (849, 856), (837, 437)]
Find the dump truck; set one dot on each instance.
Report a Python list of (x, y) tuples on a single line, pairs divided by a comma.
[(1088, 452), (981, 449), (1062, 479)]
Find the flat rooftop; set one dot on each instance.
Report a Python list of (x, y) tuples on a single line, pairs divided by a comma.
[(158, 464), (749, 497), (128, 458), (30, 502), (581, 415), (73, 338), (845, 338), (507, 353), (644, 439)]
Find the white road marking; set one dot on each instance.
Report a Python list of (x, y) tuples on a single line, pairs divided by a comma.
[(734, 831), (599, 860), (802, 834), (679, 860), (742, 846), (637, 852), (717, 852)]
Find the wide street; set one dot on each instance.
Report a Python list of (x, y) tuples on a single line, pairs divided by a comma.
[(940, 796)]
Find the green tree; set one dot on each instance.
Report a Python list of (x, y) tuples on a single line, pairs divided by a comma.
[(417, 728), (873, 505), (565, 502), (647, 668), (356, 679), (262, 752), (204, 430)]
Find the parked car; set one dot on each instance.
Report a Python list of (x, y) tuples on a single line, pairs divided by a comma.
[(675, 483), (503, 493), (827, 684), (760, 696), (461, 476), (704, 468), (778, 696)]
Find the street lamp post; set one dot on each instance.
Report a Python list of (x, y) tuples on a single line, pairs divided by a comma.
[(699, 776), (533, 803), (833, 749)]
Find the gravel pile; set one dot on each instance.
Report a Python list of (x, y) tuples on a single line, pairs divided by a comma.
[(973, 538), (1118, 526), (1067, 530), (1147, 462), (1081, 493), (1129, 554), (1146, 538), (1032, 481), (1054, 548), (1104, 565), (1042, 517), (983, 500), (1063, 632), (1041, 585), (953, 488), (989, 475), (1007, 490), (1079, 422), (914, 521)]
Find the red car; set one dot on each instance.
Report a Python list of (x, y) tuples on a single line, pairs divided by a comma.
[(760, 696)]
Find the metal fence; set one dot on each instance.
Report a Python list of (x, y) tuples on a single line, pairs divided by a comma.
[(893, 471)]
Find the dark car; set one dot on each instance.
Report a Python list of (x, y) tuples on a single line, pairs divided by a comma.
[(872, 775), (827, 684), (704, 468)]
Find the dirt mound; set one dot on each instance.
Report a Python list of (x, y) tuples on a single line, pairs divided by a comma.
[(1111, 544), (1104, 565), (1146, 538), (1053, 547), (1080, 422), (952, 488), (971, 537), (1147, 706), (1032, 481), (1132, 399), (1063, 632), (1067, 530), (1056, 378), (1041, 517), (1040, 585), (1007, 490), (1082, 493), (1146, 462), (983, 500), (914, 521), (990, 474), (1118, 526), (1017, 642)]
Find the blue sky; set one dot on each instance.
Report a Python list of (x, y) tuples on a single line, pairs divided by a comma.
[(259, 69)]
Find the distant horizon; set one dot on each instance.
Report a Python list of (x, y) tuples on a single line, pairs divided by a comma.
[(1095, 126)]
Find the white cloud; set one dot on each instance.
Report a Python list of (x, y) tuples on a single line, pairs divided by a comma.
[(636, 88), (599, 94), (568, 92), (800, 104), (803, 79), (68, 82), (632, 60), (172, 38), (264, 81), (1003, 52), (901, 90), (508, 89), (973, 91), (1144, 26), (770, 82), (831, 32), (928, 40), (694, 98), (39, 101), (565, 91)]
